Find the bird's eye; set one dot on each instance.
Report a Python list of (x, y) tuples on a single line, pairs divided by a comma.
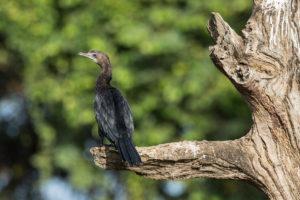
[(94, 55)]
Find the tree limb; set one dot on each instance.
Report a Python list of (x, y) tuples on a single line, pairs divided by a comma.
[(182, 160)]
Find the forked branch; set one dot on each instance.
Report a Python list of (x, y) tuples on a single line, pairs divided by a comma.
[(264, 65)]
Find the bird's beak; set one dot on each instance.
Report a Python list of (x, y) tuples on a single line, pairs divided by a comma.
[(88, 55)]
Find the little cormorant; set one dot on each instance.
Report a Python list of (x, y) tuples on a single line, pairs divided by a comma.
[(112, 111)]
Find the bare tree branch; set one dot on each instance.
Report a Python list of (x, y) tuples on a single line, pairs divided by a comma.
[(182, 160)]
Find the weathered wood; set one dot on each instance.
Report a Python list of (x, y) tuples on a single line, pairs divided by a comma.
[(264, 65), (183, 160)]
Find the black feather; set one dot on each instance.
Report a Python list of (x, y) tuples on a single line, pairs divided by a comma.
[(113, 114), (128, 151)]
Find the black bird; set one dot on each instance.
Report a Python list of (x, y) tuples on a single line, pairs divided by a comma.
[(112, 111)]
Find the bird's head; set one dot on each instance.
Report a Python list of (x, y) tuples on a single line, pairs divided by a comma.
[(97, 56)]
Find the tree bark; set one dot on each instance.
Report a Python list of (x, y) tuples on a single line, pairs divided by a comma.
[(264, 65)]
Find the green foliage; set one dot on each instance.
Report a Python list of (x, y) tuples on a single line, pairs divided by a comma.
[(159, 52)]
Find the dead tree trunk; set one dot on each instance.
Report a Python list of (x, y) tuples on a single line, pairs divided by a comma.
[(264, 65)]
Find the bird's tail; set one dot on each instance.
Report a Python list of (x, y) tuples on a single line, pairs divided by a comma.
[(128, 151)]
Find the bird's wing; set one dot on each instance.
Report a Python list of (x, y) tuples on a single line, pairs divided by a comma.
[(104, 107), (123, 114)]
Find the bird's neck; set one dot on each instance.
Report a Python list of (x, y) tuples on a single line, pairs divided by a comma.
[(106, 74)]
